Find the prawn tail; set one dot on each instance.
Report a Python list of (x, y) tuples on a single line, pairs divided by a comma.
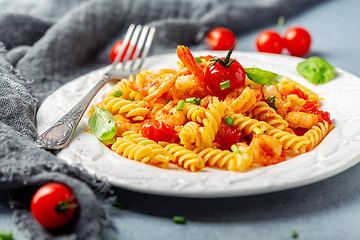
[(190, 62)]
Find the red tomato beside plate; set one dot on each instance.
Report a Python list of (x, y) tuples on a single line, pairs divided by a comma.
[(53, 205)]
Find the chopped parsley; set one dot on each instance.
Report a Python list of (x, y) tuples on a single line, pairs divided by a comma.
[(118, 93), (225, 85), (119, 204), (179, 219), (229, 121), (180, 105)]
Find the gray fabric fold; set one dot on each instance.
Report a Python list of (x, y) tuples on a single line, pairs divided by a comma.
[(45, 44)]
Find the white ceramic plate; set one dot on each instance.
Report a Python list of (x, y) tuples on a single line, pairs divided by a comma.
[(339, 151)]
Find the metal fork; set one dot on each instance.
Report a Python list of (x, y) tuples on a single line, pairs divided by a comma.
[(59, 135)]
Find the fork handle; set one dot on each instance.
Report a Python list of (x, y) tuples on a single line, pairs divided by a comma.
[(59, 135)]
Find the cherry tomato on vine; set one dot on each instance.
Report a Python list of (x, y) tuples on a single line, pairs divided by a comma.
[(269, 41), (224, 75), (297, 40), (115, 49), (220, 38), (53, 205), (157, 130)]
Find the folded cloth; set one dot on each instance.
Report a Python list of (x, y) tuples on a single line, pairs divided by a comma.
[(44, 44)]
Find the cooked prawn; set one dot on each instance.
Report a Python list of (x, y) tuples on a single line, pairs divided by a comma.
[(240, 100), (184, 84), (267, 150), (154, 85), (301, 119), (166, 82), (170, 115), (270, 91), (123, 124), (190, 62)]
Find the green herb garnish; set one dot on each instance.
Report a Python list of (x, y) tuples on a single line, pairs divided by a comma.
[(102, 124), (5, 235), (316, 70), (167, 101), (271, 102), (119, 204), (180, 105), (263, 77), (179, 219), (235, 149), (229, 121), (198, 60), (193, 100), (129, 138), (294, 234), (257, 130), (225, 85), (118, 93)]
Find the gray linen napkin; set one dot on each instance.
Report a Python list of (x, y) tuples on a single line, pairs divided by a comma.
[(44, 44)]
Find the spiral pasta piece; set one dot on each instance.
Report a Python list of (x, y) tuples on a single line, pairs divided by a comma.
[(224, 158), (288, 84), (246, 124), (289, 141), (125, 107), (317, 133), (134, 95), (194, 112), (123, 86), (132, 150), (243, 160), (263, 112), (188, 134), (204, 136), (184, 157), (211, 123), (161, 157)]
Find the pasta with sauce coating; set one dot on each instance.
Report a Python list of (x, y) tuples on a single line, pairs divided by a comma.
[(262, 123)]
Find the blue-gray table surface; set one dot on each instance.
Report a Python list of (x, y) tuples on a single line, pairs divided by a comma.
[(329, 209)]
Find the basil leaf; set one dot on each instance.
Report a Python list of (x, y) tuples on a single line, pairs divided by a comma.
[(316, 70), (5, 235), (102, 124), (263, 77)]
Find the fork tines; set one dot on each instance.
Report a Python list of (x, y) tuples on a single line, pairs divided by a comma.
[(140, 37)]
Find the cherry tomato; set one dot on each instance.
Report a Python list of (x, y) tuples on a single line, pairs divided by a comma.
[(158, 131), (53, 205), (269, 41), (220, 38), (297, 40), (115, 49), (227, 136), (224, 75)]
